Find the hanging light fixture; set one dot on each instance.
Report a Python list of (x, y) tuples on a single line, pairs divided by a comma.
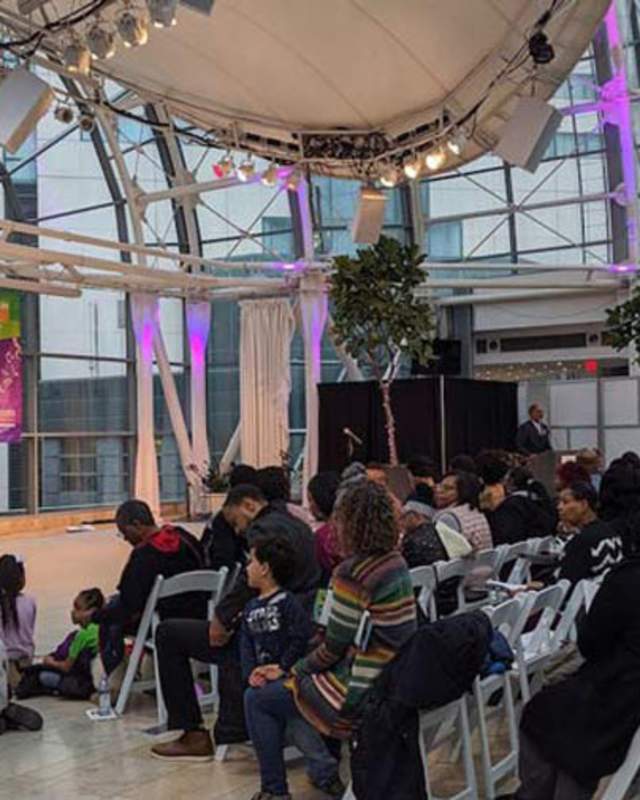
[(87, 122), (133, 27), (163, 13), (435, 159), (412, 167), (101, 41), (293, 181), (77, 58), (389, 177), (63, 114), (270, 175), (246, 170), (224, 167), (457, 142)]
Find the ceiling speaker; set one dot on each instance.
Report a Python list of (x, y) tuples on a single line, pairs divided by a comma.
[(526, 136), (367, 224), (24, 98)]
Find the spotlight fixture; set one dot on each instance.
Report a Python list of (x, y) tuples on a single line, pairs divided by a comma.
[(101, 41), (224, 167), (77, 58), (540, 49), (457, 142), (163, 13), (133, 27), (412, 167), (435, 159), (389, 178), (270, 175), (87, 122), (63, 114), (293, 181), (246, 170)]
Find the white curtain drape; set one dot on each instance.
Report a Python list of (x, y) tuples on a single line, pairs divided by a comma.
[(313, 316), (266, 330), (144, 314), (198, 326)]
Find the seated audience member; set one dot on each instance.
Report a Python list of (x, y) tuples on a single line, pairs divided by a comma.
[(167, 551), (322, 492), (463, 463), (377, 473), (526, 512), (591, 460), (67, 671), (329, 685), (17, 617), (425, 475), (631, 458), (568, 473), (220, 544), (178, 641), (275, 634), (457, 497), (596, 546), (620, 499), (578, 730), (275, 485), (492, 471), (425, 542)]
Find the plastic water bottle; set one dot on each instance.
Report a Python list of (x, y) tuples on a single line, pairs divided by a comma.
[(104, 697)]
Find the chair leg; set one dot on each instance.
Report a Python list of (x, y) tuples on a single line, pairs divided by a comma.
[(130, 675), (467, 750), (485, 751), (621, 781), (221, 752), (163, 716)]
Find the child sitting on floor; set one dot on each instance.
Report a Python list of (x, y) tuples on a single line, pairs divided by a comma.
[(67, 671), (17, 617), (274, 635)]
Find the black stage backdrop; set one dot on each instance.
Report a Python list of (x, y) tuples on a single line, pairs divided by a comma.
[(479, 414)]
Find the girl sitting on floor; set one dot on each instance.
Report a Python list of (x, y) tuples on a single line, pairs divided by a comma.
[(17, 617), (67, 671)]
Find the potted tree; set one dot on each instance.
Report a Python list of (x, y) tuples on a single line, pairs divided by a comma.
[(377, 316), (215, 485)]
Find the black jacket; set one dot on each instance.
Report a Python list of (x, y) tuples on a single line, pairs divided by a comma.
[(222, 546), (529, 441), (438, 665), (518, 518), (591, 552), (306, 578), (585, 724)]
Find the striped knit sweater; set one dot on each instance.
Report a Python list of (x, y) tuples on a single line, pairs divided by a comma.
[(330, 683)]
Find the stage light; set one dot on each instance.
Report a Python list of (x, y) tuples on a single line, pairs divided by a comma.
[(163, 13), (435, 159), (457, 142), (133, 27), (101, 41), (77, 58), (270, 175), (64, 114), (293, 181), (389, 178), (412, 167), (540, 49), (87, 122), (224, 167), (246, 170)]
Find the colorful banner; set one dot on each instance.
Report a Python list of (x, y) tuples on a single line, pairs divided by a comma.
[(10, 368)]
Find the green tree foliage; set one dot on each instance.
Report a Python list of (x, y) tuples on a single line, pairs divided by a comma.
[(623, 323), (377, 316)]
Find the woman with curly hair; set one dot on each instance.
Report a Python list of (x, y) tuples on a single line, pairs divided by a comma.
[(328, 686)]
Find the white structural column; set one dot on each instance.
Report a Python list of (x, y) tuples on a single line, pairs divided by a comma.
[(198, 326), (144, 309), (266, 330), (313, 315)]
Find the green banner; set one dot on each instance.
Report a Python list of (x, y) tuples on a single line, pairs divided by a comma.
[(9, 315)]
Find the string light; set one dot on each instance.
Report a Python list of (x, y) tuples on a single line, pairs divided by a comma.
[(435, 159), (163, 13), (224, 167), (293, 181), (270, 175), (389, 177), (412, 167), (133, 27), (77, 58), (457, 142), (246, 170), (101, 41)]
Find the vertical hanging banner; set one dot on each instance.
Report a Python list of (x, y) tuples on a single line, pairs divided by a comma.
[(10, 368)]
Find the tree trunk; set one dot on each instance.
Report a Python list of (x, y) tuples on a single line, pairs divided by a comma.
[(390, 422)]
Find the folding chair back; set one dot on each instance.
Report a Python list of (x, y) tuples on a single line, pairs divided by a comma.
[(621, 781), (449, 570), (517, 559), (424, 579), (566, 627)]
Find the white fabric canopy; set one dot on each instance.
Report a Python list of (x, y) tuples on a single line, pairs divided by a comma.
[(266, 330)]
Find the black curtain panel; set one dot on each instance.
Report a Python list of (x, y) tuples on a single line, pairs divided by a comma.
[(479, 414)]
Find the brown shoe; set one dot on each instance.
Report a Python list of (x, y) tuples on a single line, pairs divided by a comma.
[(191, 746)]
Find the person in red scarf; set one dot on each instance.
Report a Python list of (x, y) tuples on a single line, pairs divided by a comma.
[(168, 550)]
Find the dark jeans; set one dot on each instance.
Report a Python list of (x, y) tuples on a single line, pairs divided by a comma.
[(178, 641), (113, 629), (273, 721), (542, 780)]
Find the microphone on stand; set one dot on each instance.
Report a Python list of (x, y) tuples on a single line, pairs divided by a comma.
[(352, 436)]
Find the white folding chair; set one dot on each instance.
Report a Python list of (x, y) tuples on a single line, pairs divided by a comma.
[(424, 579), (508, 618), (205, 581), (482, 567), (621, 780), (580, 599), (516, 557), (449, 570)]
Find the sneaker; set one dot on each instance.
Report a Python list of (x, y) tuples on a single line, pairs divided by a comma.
[(191, 746), (17, 718), (335, 788)]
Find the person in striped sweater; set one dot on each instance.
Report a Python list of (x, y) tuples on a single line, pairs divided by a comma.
[(327, 687)]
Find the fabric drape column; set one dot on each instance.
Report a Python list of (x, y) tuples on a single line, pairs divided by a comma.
[(198, 327), (313, 315), (144, 314), (266, 330)]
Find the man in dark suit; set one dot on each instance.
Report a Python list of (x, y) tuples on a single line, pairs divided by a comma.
[(533, 435)]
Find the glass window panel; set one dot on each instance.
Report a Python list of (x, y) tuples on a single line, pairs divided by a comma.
[(13, 477), (173, 485)]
